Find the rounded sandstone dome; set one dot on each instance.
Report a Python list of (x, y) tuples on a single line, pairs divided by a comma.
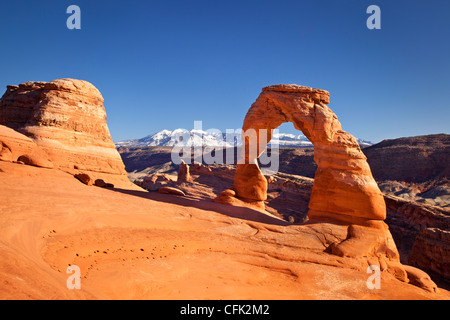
[(81, 87), (294, 88), (67, 119), (76, 84)]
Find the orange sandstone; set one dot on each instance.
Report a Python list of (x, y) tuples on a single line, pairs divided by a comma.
[(66, 119), (344, 188)]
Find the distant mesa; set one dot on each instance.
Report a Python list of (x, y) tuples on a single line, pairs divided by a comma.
[(66, 119)]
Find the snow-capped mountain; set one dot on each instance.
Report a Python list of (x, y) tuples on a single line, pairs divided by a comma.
[(290, 140), (183, 137), (364, 143), (210, 138)]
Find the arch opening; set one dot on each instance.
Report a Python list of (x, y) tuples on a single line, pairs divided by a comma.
[(344, 188)]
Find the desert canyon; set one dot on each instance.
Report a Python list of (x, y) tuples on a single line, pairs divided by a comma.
[(209, 232)]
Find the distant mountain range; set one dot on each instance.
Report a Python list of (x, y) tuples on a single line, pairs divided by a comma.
[(183, 137)]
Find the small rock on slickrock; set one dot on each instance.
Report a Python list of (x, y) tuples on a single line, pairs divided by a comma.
[(100, 183), (85, 178), (228, 192), (171, 190)]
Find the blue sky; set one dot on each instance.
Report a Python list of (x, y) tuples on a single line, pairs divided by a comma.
[(163, 64)]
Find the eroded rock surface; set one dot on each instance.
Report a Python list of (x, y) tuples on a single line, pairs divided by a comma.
[(67, 120)]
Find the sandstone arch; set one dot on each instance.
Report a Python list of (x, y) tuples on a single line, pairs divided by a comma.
[(344, 189)]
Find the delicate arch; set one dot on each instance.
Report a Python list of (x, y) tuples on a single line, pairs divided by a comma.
[(344, 188)]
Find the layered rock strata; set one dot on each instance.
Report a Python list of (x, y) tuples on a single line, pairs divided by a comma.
[(431, 252), (65, 118)]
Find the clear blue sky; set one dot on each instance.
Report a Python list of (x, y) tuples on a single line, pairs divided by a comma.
[(163, 64)]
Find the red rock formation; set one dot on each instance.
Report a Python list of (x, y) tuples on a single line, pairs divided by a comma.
[(431, 252), (344, 188), (421, 234), (183, 173), (411, 159), (155, 181), (65, 118), (344, 191), (250, 183)]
